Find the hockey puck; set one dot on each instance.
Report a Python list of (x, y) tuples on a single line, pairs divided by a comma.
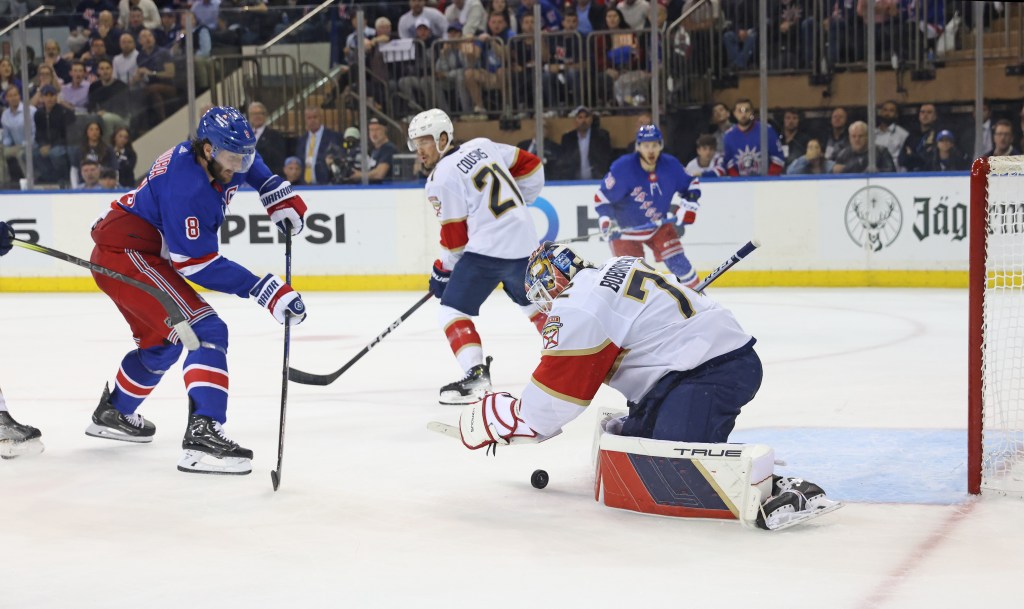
[(539, 479)]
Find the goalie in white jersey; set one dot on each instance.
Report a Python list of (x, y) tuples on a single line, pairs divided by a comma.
[(682, 361), (479, 191)]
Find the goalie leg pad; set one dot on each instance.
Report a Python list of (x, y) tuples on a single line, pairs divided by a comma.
[(681, 479)]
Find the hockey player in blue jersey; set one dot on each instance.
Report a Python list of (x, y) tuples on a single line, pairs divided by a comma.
[(644, 194), (163, 232)]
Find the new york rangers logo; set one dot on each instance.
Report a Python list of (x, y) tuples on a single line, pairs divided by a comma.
[(550, 332)]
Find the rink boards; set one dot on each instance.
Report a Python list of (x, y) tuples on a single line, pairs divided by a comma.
[(837, 231)]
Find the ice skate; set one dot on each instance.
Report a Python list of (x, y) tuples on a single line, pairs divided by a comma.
[(108, 423), (471, 388), (209, 451), (795, 500), (17, 440)]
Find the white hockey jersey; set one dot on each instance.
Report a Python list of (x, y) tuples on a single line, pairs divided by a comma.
[(627, 325), (479, 192)]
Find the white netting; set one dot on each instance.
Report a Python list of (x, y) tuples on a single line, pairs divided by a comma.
[(1003, 330)]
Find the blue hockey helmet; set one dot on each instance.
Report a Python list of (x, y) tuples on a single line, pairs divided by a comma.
[(648, 133), (232, 138), (550, 269)]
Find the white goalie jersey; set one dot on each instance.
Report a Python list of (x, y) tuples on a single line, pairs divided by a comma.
[(479, 192), (627, 325)]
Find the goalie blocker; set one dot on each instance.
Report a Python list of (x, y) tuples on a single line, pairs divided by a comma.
[(693, 480)]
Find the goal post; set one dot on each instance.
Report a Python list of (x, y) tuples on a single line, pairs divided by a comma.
[(995, 360)]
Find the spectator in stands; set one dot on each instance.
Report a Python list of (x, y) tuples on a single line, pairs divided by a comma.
[(795, 26), (13, 122), (156, 76), (109, 98), (89, 170), (742, 153), (888, 133), (844, 35), (721, 122), (490, 74), (892, 32), (469, 14), (1002, 139), (75, 94), (44, 77), (416, 84), (587, 149), (634, 12), (170, 33), (52, 57), (269, 142), (78, 42), (946, 156), (854, 158), (449, 71), (93, 147), (313, 147), (812, 162), (523, 62), (501, 6), (87, 13), (624, 67), (561, 78), (108, 179), (126, 62), (590, 15), (137, 23), (124, 157), (293, 170), (419, 11), (554, 169), (382, 155), (107, 31), (986, 130), (7, 78), (53, 122), (794, 140), (838, 138), (147, 9), (97, 52), (551, 18), (206, 13), (740, 35), (708, 162), (921, 145)]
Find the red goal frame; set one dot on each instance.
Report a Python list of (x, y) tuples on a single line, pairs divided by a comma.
[(975, 336)]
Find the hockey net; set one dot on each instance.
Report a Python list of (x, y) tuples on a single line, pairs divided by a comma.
[(996, 334)]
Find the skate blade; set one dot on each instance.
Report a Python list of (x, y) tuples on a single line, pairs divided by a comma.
[(794, 518), (198, 462), (102, 431), (453, 398), (13, 450)]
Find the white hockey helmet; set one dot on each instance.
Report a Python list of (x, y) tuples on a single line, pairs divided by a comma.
[(431, 122)]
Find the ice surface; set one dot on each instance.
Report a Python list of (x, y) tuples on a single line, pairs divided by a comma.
[(864, 388)]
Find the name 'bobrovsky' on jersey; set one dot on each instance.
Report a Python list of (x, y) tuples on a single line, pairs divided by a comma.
[(479, 192)]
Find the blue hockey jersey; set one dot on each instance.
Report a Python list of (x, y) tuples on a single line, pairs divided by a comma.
[(742, 154), (634, 197), (178, 198)]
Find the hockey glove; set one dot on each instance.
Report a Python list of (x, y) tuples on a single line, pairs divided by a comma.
[(283, 205), (438, 279), (609, 228), (492, 420), (6, 238), (273, 294)]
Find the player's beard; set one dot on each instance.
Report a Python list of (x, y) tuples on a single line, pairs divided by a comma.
[(219, 172)]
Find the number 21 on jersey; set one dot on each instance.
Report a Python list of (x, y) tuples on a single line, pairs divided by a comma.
[(498, 180)]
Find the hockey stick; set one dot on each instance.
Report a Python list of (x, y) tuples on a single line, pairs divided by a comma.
[(275, 474), (307, 378), (740, 254), (616, 234), (176, 318)]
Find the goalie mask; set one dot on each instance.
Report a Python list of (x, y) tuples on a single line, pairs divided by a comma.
[(550, 270)]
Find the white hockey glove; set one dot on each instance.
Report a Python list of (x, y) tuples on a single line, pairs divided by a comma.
[(273, 294), (493, 420), (609, 227)]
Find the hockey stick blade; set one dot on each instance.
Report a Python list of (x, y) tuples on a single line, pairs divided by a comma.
[(274, 479), (740, 254), (308, 378), (176, 317)]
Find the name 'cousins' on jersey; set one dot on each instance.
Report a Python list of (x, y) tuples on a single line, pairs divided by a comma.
[(645, 192), (479, 191)]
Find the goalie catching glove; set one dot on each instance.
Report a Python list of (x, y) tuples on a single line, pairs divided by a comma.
[(493, 420), (273, 294)]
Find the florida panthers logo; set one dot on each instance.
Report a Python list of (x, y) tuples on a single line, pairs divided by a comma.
[(550, 332), (436, 204)]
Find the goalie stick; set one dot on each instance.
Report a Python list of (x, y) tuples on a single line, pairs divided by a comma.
[(307, 378), (175, 317)]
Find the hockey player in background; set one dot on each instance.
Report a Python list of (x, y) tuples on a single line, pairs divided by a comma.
[(178, 209), (479, 191), (741, 144), (15, 439), (682, 361), (643, 195)]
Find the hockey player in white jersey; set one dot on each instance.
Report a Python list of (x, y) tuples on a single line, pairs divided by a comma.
[(479, 191), (682, 361), (15, 439)]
